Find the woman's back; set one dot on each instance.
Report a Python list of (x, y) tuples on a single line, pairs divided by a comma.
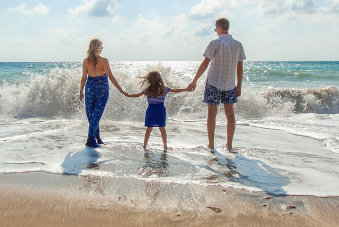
[(98, 70)]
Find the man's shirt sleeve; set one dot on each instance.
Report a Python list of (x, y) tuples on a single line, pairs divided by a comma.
[(242, 55), (211, 49)]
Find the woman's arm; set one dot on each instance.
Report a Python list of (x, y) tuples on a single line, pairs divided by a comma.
[(135, 95), (111, 77), (83, 80)]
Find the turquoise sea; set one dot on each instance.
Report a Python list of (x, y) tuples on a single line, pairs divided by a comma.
[(287, 134)]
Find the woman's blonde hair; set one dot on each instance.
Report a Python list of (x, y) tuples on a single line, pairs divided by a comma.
[(93, 48), (154, 84)]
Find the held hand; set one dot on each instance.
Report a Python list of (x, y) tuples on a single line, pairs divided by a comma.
[(191, 86), (238, 91), (81, 96), (124, 93)]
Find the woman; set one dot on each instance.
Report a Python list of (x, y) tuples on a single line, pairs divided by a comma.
[(97, 89)]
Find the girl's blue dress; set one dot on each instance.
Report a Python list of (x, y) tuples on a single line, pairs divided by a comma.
[(156, 111)]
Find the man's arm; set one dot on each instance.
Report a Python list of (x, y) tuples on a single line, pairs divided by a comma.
[(240, 71), (202, 68), (178, 90)]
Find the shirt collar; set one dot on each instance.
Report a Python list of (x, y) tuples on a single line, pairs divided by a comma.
[(225, 36)]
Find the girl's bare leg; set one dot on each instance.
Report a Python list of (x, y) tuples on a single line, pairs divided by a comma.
[(147, 135), (164, 136)]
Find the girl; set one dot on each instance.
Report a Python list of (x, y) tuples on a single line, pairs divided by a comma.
[(156, 92), (95, 74)]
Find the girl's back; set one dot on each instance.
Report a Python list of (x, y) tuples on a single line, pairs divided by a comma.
[(158, 99)]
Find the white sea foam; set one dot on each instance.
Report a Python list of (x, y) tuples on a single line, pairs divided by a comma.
[(56, 94), (274, 161), (287, 138)]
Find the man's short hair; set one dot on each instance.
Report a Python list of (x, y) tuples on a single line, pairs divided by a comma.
[(223, 23)]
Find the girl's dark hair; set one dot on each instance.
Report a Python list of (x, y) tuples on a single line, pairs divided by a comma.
[(154, 84)]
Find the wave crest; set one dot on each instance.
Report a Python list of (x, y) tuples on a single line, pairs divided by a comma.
[(57, 95)]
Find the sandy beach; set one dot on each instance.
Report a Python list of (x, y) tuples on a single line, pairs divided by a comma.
[(284, 172), (43, 199)]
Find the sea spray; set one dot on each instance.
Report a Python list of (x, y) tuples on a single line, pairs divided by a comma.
[(53, 95), (286, 136), (56, 95)]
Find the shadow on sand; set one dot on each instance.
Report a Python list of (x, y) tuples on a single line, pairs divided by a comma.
[(249, 172), (76, 162)]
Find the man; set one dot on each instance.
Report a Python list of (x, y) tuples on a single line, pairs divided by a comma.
[(226, 56)]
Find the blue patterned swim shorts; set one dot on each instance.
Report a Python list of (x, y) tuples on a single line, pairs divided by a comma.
[(214, 96)]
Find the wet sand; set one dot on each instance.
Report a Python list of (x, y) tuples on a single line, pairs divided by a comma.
[(43, 199)]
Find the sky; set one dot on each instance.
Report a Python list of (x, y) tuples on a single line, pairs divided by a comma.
[(167, 30)]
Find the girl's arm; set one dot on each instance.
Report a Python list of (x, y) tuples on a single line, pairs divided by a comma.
[(111, 77), (135, 95), (83, 80), (178, 90)]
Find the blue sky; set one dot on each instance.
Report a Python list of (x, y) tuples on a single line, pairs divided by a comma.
[(163, 30)]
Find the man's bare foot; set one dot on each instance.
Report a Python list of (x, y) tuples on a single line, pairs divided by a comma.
[(230, 149), (212, 150)]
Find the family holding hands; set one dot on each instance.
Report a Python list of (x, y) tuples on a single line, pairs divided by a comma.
[(226, 56)]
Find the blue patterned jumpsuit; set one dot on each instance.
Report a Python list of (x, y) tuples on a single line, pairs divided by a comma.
[(96, 97)]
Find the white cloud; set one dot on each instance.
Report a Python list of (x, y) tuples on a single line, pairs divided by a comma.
[(293, 8), (40, 9), (144, 22), (269, 27), (211, 8), (169, 31), (307, 6), (65, 36), (204, 30), (96, 8), (332, 8), (20, 8)]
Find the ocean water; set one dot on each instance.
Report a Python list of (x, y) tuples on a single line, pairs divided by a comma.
[(287, 135)]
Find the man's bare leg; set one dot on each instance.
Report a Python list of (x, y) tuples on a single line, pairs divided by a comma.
[(229, 112), (212, 113)]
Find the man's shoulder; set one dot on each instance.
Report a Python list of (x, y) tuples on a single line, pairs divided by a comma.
[(231, 40), (236, 41), (215, 40)]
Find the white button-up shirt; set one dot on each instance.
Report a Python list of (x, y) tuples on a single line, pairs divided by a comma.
[(225, 54)]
